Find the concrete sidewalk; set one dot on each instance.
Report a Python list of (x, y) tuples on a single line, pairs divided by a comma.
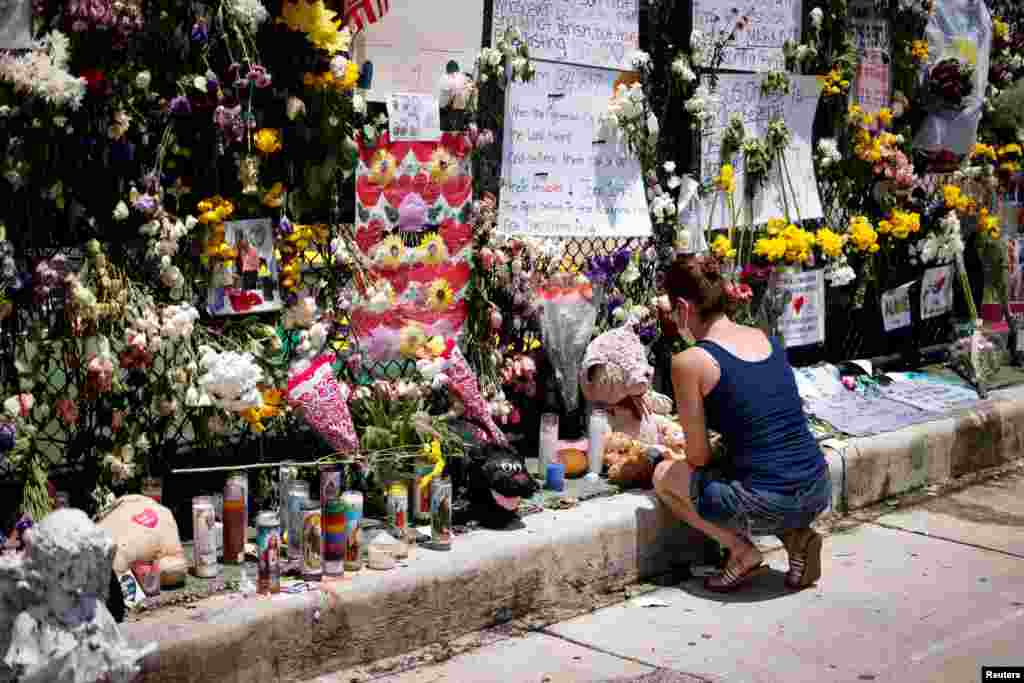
[(895, 603), (559, 565)]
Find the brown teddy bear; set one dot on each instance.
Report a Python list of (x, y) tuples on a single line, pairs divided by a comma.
[(627, 461)]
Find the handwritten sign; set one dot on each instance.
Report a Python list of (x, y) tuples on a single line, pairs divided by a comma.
[(936, 292), (413, 72), (555, 179), (858, 415), (873, 81), (896, 308), (414, 117), (741, 93), (16, 25), (935, 397), (803, 322), (870, 28), (600, 33), (759, 46)]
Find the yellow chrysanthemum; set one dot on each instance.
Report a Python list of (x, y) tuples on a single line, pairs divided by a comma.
[(799, 243), (771, 248), (440, 295), (442, 165), (904, 223), (383, 167), (988, 225), (433, 250), (349, 79), (919, 50), (321, 26), (885, 116), (391, 253), (983, 151), (267, 140), (776, 225), (722, 247), (1012, 149), (862, 235), (1000, 29), (955, 199), (834, 83), (831, 243), (726, 179)]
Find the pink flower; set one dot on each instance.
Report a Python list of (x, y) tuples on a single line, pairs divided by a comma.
[(513, 417), (101, 374), (68, 411)]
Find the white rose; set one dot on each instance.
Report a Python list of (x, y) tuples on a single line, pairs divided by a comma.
[(817, 16), (143, 79), (120, 211), (199, 83)]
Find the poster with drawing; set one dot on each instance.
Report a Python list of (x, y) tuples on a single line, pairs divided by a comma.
[(414, 117), (936, 292), (15, 24), (896, 308), (803, 322), (247, 284)]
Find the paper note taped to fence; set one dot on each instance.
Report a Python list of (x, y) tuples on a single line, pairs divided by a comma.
[(803, 322), (936, 292), (600, 33), (557, 179), (790, 187), (759, 46), (896, 308)]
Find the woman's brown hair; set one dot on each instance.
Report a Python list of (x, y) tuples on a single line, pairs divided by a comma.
[(698, 279)]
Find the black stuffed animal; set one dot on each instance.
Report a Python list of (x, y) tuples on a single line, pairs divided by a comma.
[(497, 481)]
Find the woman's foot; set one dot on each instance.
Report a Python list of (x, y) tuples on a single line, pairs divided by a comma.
[(804, 549), (742, 567)]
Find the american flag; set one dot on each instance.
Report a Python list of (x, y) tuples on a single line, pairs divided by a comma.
[(361, 13)]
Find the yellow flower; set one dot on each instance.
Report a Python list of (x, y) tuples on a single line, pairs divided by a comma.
[(268, 140), (410, 339), (1012, 149), (771, 248), (434, 250), (776, 225), (988, 225), (723, 248), (440, 295), (349, 78), (831, 243), (726, 179), (862, 235), (919, 50), (834, 83), (1009, 167), (383, 167), (799, 243), (274, 196), (885, 116), (955, 199), (391, 252), (323, 30), (442, 165), (983, 151), (1000, 29)]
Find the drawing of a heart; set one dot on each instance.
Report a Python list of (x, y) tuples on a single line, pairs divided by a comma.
[(147, 518), (798, 303)]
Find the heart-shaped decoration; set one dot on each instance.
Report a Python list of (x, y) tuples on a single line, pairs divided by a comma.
[(368, 193), (397, 191), (368, 236), (457, 190), (456, 235), (798, 303), (147, 518), (426, 188)]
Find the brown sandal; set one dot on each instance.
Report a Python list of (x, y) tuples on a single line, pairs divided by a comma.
[(731, 578), (805, 565)]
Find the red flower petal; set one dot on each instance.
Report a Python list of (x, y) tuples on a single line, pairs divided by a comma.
[(457, 190)]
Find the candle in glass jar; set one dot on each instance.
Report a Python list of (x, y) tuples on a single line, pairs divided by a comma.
[(353, 501), (598, 430), (298, 493), (236, 522), (548, 442)]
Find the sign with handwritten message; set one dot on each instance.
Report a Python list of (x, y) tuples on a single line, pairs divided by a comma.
[(401, 70), (873, 81), (741, 93), (600, 33), (803, 322), (555, 179), (870, 27), (759, 46), (414, 117), (896, 308), (936, 292)]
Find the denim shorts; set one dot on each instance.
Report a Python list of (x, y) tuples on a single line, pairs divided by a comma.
[(758, 513)]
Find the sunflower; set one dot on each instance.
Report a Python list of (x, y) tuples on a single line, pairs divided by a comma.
[(433, 249), (391, 253), (383, 167), (440, 295), (442, 165)]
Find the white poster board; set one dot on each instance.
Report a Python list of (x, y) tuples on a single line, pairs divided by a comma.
[(803, 322), (896, 308), (587, 32), (936, 292), (759, 47), (414, 117), (413, 43), (556, 181), (742, 93)]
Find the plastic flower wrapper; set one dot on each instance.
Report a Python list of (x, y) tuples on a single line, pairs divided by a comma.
[(324, 401), (975, 357), (568, 315)]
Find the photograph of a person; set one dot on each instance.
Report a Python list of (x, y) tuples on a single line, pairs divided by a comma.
[(248, 284)]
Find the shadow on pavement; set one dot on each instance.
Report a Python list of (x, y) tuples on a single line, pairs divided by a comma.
[(768, 586)]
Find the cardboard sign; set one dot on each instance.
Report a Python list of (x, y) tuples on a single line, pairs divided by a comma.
[(936, 292), (896, 308), (414, 117), (602, 34), (557, 178), (803, 322), (758, 47)]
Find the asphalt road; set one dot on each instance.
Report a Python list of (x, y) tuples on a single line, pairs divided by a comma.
[(926, 594)]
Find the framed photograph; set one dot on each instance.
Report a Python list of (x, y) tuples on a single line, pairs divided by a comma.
[(248, 283)]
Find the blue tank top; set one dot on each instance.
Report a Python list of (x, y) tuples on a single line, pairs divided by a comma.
[(758, 411)]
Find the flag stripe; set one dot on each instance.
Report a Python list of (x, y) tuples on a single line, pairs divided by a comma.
[(361, 13)]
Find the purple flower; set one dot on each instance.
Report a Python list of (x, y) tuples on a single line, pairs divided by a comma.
[(621, 260), (647, 333), (200, 31), (8, 435), (181, 106), (212, 85), (284, 227), (145, 203)]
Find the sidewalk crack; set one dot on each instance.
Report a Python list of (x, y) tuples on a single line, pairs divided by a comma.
[(635, 660), (947, 539)]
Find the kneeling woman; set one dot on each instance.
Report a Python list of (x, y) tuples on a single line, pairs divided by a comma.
[(738, 382)]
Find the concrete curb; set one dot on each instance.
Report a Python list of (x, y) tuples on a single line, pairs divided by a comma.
[(560, 561)]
